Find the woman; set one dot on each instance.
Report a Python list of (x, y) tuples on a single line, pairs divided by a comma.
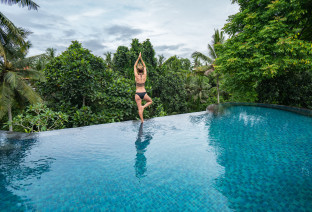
[(140, 79)]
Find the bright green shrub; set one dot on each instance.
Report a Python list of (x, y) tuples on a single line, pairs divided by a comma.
[(39, 118)]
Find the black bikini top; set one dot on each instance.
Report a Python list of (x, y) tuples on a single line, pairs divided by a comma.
[(140, 84)]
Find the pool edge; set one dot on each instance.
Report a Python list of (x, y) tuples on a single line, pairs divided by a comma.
[(301, 111)]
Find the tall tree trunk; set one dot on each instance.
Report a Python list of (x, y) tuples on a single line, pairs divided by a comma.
[(83, 101), (10, 118), (218, 89)]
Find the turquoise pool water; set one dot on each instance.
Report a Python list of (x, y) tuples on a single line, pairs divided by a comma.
[(245, 159)]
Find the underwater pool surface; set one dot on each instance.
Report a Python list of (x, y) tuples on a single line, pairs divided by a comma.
[(244, 159)]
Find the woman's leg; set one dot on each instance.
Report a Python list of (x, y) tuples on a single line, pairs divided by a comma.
[(140, 107), (148, 100)]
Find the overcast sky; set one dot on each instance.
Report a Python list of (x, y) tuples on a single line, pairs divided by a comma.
[(175, 27)]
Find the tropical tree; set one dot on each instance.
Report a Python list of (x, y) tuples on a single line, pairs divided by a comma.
[(270, 48), (161, 59), (196, 63), (173, 63), (22, 3), (217, 38), (108, 59), (15, 76), (40, 61), (169, 87), (135, 49), (199, 91), (8, 31), (148, 53), (121, 60), (50, 53), (185, 64), (73, 76)]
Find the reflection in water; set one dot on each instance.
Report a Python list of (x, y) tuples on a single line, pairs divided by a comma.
[(250, 119), (204, 118), (14, 171), (263, 159), (143, 140), (218, 109)]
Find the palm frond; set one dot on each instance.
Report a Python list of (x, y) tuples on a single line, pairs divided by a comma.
[(22, 3), (218, 37), (28, 92), (7, 28), (31, 74), (50, 53), (27, 62), (202, 57), (11, 78), (212, 52)]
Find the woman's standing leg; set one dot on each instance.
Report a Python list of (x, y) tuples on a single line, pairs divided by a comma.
[(140, 107)]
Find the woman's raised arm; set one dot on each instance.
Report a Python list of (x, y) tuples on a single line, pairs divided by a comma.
[(143, 64), (135, 65)]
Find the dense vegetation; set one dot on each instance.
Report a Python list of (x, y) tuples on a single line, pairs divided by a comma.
[(82, 89), (269, 55), (267, 58)]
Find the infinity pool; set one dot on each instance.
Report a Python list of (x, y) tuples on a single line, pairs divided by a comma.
[(245, 159)]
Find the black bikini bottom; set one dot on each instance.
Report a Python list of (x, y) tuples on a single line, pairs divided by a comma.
[(141, 95)]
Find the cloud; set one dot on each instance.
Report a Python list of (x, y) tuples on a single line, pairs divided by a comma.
[(69, 32), (94, 45), (87, 14), (175, 27), (168, 47), (123, 32)]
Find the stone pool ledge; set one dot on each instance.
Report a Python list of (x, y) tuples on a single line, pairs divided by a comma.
[(16, 135), (24, 136), (217, 108)]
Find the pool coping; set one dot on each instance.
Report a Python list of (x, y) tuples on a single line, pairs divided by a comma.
[(17, 135), (25, 136), (301, 111)]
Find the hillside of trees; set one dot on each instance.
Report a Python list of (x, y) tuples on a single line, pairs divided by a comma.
[(267, 58)]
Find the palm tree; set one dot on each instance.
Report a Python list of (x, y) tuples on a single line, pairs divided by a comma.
[(15, 71), (217, 38), (50, 53), (8, 28), (22, 3), (160, 60), (196, 63), (108, 59), (39, 62)]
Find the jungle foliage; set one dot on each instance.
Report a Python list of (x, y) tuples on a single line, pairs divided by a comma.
[(268, 57), (82, 89)]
